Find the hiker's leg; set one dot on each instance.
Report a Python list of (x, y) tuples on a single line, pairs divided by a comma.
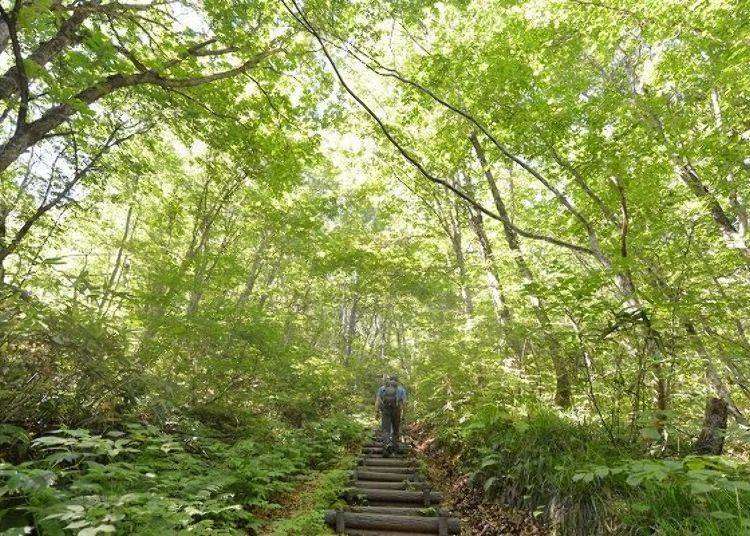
[(385, 429), (390, 426), (396, 426)]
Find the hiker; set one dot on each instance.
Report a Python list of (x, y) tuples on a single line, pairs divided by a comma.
[(389, 402)]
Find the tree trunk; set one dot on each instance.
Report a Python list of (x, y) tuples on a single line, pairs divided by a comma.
[(255, 266), (711, 438), (562, 378), (458, 251), (4, 36), (110, 283), (273, 274), (350, 329), (502, 311)]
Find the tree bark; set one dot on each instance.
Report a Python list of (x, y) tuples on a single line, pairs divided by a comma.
[(31, 133), (110, 284), (255, 266), (718, 386), (503, 313), (350, 328), (562, 377), (733, 236), (458, 252), (46, 51), (711, 438)]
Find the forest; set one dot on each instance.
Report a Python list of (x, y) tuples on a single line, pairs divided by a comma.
[(223, 221)]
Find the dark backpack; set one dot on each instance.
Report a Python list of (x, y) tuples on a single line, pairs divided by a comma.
[(390, 396)]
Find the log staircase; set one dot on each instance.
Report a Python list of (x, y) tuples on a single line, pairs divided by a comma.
[(390, 497)]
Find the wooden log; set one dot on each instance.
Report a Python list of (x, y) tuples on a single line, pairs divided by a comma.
[(363, 474), (358, 532), (371, 484), (376, 449), (386, 462), (340, 522), (395, 510), (426, 490), (397, 496), (385, 522), (443, 528), (384, 469)]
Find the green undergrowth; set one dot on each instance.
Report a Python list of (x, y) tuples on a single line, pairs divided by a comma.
[(183, 477), (323, 493), (572, 476)]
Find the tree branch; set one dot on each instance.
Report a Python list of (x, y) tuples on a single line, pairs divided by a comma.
[(54, 117), (299, 16)]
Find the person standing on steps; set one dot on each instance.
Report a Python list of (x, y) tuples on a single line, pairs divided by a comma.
[(390, 402)]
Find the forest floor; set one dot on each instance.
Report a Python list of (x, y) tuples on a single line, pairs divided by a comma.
[(301, 511), (478, 517), (292, 505)]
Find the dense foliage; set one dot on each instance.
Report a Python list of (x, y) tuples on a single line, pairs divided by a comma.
[(221, 222), (139, 479)]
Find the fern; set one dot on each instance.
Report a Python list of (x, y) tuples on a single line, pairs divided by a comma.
[(141, 479)]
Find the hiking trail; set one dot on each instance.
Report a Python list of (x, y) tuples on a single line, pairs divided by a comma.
[(390, 496)]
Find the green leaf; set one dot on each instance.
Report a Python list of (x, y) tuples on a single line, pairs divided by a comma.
[(634, 480), (489, 462), (697, 488), (718, 514), (93, 531), (78, 524), (47, 441), (650, 433), (583, 477)]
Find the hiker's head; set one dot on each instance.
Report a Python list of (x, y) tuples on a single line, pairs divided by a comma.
[(393, 379)]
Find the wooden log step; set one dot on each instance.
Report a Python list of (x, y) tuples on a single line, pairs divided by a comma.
[(379, 448), (386, 469), (385, 522), (386, 462), (371, 484), (398, 496), (361, 474), (358, 532), (395, 510), (393, 504)]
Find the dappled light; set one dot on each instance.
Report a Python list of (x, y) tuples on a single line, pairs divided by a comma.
[(301, 268)]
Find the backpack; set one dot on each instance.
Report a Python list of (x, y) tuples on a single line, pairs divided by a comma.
[(390, 395)]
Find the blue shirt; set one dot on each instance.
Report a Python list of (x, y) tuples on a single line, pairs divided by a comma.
[(400, 393)]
